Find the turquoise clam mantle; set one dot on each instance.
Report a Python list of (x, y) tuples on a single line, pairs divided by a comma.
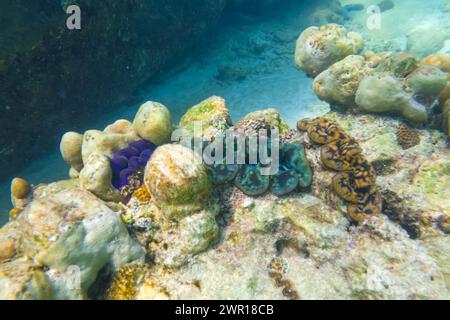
[(294, 172)]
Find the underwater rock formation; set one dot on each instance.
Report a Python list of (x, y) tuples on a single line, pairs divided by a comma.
[(311, 248), (268, 119), (105, 160), (338, 84), (421, 44), (119, 47), (388, 82), (97, 176), (211, 115), (401, 84), (427, 81), (153, 122), (70, 148), (319, 48), (225, 244), (78, 236), (175, 175), (384, 93), (20, 190)]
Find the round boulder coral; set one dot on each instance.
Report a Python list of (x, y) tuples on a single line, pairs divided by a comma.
[(70, 148), (176, 178), (153, 122), (427, 81), (319, 48), (339, 83), (384, 93), (20, 188), (210, 116)]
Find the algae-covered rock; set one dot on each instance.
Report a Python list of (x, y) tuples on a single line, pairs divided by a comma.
[(427, 81), (339, 83), (433, 178), (74, 235), (439, 249), (10, 241), (440, 60), (96, 177), (105, 142), (426, 39), (153, 122), (384, 93), (20, 191), (271, 118), (70, 148), (194, 234), (22, 280), (211, 116), (300, 248), (398, 64), (176, 177), (319, 48)]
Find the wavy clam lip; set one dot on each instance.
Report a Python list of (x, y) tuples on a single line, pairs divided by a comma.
[(124, 175), (145, 156), (118, 163), (133, 163), (142, 145), (129, 152)]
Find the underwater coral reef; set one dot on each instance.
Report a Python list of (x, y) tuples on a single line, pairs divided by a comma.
[(357, 205)]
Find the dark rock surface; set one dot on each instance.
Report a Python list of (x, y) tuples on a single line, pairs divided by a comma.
[(52, 78)]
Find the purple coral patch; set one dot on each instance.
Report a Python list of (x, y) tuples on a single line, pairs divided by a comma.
[(118, 162), (129, 152), (130, 160), (142, 145)]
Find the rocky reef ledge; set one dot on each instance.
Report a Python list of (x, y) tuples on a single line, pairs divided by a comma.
[(173, 232)]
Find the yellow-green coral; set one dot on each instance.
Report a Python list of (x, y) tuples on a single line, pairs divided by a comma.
[(212, 116), (126, 281), (177, 178)]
